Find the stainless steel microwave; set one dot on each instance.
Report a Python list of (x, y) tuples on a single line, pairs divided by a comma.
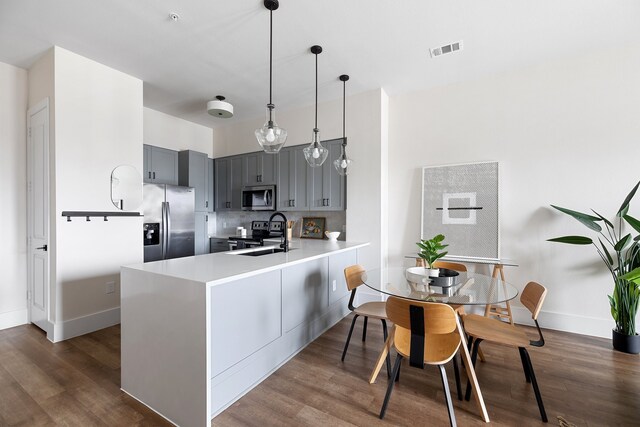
[(259, 198)]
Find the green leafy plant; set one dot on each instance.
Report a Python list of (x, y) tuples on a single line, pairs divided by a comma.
[(431, 250), (621, 255)]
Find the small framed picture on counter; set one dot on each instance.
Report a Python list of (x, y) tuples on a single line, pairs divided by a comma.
[(313, 228)]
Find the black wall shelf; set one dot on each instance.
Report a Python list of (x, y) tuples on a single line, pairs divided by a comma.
[(89, 214)]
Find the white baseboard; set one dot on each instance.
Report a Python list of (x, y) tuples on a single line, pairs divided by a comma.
[(582, 325), (14, 318), (85, 324)]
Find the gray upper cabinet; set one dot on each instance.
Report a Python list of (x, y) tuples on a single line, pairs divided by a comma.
[(326, 186), (222, 178), (292, 184), (210, 186), (160, 165), (298, 186), (260, 168), (236, 184), (228, 183), (193, 173)]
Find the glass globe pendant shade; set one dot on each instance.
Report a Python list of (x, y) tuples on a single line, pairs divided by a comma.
[(271, 137), (343, 163), (315, 154)]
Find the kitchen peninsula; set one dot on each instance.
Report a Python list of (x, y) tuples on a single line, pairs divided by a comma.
[(199, 332)]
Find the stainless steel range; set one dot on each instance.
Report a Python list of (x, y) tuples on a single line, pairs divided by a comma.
[(259, 231)]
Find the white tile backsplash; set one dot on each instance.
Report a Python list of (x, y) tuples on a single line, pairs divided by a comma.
[(226, 222)]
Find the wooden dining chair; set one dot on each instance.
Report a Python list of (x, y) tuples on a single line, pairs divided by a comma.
[(374, 309), (481, 328), (426, 333)]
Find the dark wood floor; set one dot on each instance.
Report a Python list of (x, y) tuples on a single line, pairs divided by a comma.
[(77, 382)]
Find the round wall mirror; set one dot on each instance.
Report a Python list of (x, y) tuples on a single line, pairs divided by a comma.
[(126, 188)]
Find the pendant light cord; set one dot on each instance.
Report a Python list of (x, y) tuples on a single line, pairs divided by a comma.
[(270, 56), (316, 127), (344, 108)]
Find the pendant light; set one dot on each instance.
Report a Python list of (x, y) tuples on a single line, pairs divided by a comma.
[(271, 137), (343, 163), (315, 154)]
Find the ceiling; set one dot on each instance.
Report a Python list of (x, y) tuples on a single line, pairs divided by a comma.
[(221, 47)]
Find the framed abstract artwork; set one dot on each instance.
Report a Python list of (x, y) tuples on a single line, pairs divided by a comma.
[(461, 202)]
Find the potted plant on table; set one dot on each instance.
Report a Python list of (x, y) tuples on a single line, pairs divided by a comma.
[(621, 255), (430, 252)]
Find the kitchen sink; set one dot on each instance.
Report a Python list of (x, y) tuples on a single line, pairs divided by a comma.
[(259, 252)]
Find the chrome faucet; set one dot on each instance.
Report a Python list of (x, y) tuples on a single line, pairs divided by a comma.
[(284, 243)]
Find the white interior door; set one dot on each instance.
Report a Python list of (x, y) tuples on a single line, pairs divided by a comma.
[(38, 214)]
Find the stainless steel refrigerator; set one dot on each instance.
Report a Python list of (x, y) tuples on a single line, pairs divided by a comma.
[(169, 221)]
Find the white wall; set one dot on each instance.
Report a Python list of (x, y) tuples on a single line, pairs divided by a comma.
[(98, 126), (565, 133), (13, 187), (163, 130), (365, 130)]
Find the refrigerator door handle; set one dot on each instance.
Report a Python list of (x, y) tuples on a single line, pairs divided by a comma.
[(168, 226), (162, 230)]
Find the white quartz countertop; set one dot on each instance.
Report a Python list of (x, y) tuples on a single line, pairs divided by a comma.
[(223, 267)]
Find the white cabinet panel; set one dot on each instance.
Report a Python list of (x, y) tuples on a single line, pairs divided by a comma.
[(245, 316), (337, 282), (304, 292)]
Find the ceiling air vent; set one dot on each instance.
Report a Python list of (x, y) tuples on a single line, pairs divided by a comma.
[(443, 50)]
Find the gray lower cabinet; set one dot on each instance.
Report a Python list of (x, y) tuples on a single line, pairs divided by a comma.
[(218, 245), (160, 165), (291, 187), (228, 183), (193, 172), (201, 239), (260, 168), (326, 186)]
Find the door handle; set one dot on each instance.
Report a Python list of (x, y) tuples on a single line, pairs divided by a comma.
[(44, 248), (168, 227)]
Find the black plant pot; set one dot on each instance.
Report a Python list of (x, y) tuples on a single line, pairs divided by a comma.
[(626, 343)]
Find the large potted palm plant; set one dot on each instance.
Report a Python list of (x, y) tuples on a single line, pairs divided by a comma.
[(621, 255)]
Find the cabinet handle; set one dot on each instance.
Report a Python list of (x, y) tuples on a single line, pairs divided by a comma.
[(149, 174), (206, 204), (154, 175), (258, 178), (206, 218), (293, 203)]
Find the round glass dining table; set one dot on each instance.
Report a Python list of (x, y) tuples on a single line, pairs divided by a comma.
[(412, 283)]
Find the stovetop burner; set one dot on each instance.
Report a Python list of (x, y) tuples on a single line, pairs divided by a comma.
[(260, 230)]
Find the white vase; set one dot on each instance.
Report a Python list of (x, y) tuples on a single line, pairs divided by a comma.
[(433, 272)]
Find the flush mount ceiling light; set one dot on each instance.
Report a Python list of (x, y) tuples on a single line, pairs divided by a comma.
[(343, 163), (220, 108), (315, 154), (271, 137)]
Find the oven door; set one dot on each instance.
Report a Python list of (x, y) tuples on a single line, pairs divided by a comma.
[(261, 198)]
